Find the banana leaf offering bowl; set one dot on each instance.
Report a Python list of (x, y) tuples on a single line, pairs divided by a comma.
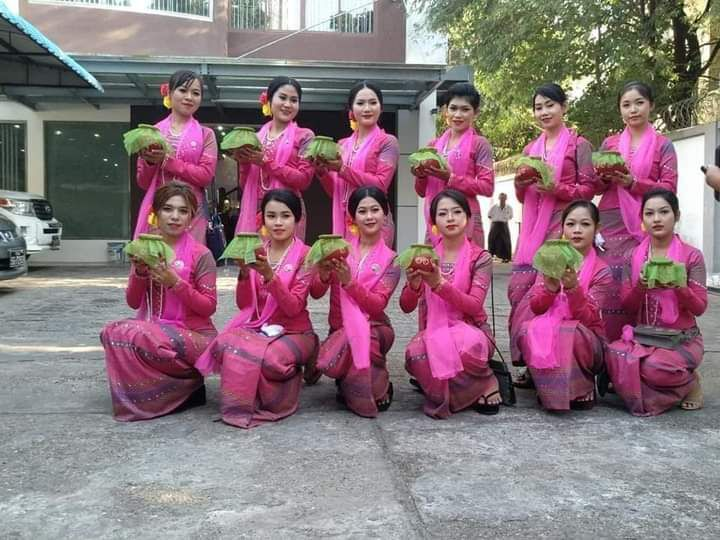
[(322, 147), (327, 247), (240, 137), (150, 249), (556, 256), (244, 247), (609, 162), (663, 272), (144, 137), (529, 167), (428, 156), (417, 257)]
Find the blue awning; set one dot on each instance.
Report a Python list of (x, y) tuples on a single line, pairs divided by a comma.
[(28, 58)]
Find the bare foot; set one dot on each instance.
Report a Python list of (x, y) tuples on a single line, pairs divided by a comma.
[(695, 399)]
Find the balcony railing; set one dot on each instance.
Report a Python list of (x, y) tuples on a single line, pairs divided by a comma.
[(349, 16), (181, 8)]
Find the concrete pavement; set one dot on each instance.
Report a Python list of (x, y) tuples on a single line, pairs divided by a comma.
[(67, 470)]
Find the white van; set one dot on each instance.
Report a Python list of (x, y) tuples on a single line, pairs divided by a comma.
[(33, 216)]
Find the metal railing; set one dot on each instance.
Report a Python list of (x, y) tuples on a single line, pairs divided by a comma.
[(346, 16), (689, 112), (182, 8)]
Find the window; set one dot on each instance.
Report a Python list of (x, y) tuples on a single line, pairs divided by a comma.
[(351, 16), (12, 156), (86, 172), (265, 14), (187, 8)]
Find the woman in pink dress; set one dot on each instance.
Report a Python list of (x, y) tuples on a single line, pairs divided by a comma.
[(652, 163), (260, 352), (354, 353), (369, 157), (448, 358), (469, 157), (651, 379), (570, 157), (279, 165), (193, 156), (150, 359), (562, 340)]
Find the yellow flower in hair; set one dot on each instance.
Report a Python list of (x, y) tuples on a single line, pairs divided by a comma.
[(354, 230), (167, 103), (434, 230), (353, 122), (264, 231), (152, 219), (266, 109)]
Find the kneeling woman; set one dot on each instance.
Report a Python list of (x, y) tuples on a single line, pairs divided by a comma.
[(653, 373), (449, 356), (360, 332), (150, 358), (261, 351), (562, 340)]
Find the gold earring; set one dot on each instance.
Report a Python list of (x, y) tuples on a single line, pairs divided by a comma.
[(434, 230)]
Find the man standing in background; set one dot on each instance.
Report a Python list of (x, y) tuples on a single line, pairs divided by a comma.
[(499, 237)]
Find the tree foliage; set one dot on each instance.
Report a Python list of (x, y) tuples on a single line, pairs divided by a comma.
[(591, 47)]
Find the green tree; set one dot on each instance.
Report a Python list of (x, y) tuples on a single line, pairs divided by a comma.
[(589, 46)]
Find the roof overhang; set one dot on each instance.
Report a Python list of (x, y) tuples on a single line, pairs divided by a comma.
[(29, 60), (237, 83)]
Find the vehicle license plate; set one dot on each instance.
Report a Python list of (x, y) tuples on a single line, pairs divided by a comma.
[(17, 258)]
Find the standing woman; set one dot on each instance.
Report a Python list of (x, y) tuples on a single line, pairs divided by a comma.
[(653, 378), (562, 343), (278, 165), (470, 161), (449, 356), (652, 163), (360, 331), (369, 158), (570, 157), (193, 156), (150, 359), (261, 351)]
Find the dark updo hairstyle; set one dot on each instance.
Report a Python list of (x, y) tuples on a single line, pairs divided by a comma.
[(359, 86), (453, 194), (278, 82), (367, 191), (550, 91), (170, 190), (184, 77), (466, 91), (641, 88), (285, 196), (665, 194), (581, 203)]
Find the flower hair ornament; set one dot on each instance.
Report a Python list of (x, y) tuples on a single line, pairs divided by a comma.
[(165, 93), (152, 219), (350, 224), (353, 122), (265, 104)]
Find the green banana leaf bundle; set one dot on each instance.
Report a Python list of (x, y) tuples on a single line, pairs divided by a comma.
[(244, 247), (555, 256), (661, 271), (533, 167), (608, 162), (429, 156), (327, 246), (239, 137), (144, 136), (322, 147), (150, 249), (417, 257)]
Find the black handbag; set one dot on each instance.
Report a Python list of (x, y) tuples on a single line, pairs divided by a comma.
[(500, 368)]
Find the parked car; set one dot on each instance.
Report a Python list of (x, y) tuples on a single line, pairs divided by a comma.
[(33, 215), (12, 250)]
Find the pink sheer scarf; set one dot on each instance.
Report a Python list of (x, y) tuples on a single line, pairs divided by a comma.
[(544, 330), (358, 162), (249, 317), (172, 309), (640, 162), (459, 160), (190, 149), (248, 207), (538, 207), (666, 298), (445, 322), (366, 271)]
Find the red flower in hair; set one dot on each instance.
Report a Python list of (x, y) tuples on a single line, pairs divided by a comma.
[(164, 89), (263, 97), (258, 220)]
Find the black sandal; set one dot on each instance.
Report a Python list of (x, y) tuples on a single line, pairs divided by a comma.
[(524, 381), (196, 399), (583, 404), (311, 374), (487, 408), (416, 385), (384, 404)]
